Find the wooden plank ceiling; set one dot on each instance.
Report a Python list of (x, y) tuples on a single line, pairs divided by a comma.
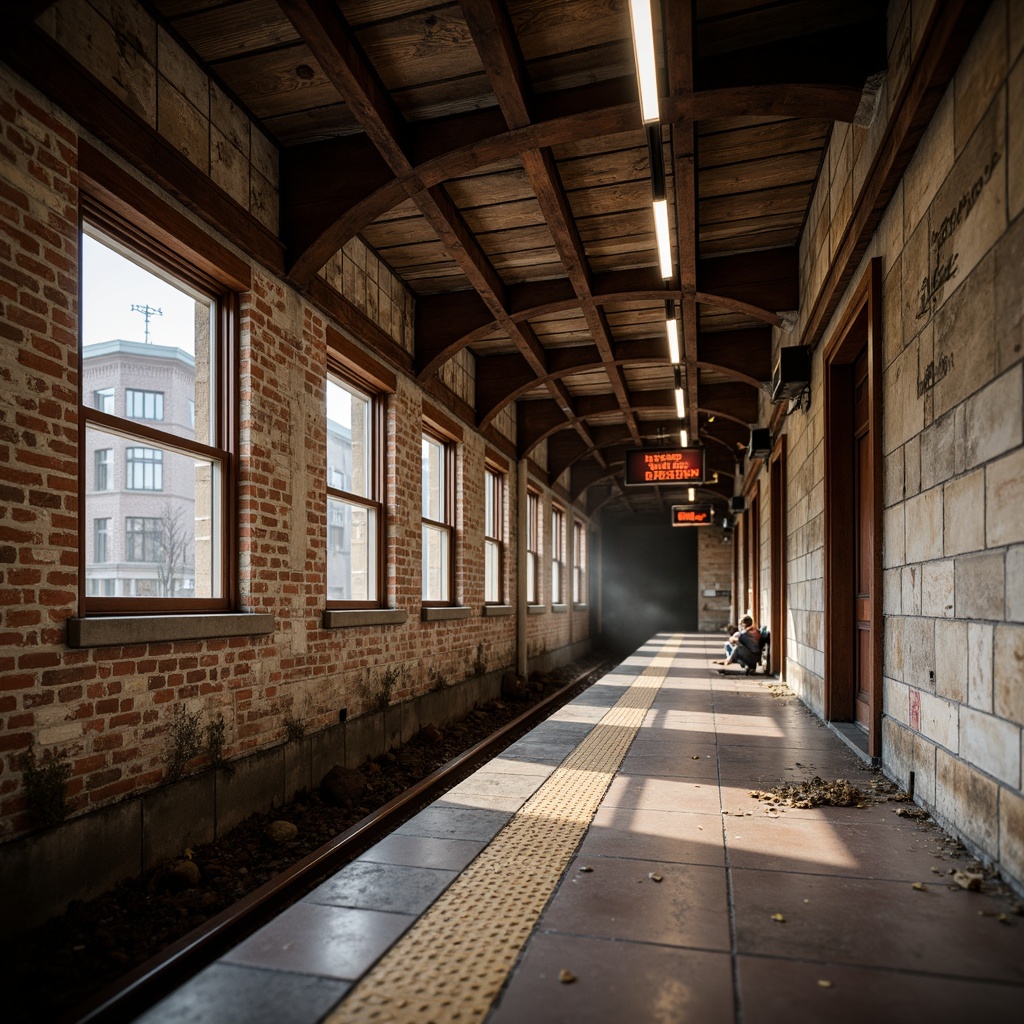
[(493, 155)]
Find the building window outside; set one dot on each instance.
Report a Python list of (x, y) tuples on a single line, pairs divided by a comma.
[(557, 555), (532, 548), (173, 441), (143, 405), (437, 520), (104, 469), (144, 469), (103, 400), (494, 534), (579, 563), (354, 447), (101, 534), (144, 539)]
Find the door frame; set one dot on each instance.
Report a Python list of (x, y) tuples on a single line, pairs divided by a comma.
[(860, 326), (777, 556)]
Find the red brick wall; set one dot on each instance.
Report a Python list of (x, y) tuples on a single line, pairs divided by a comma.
[(111, 708)]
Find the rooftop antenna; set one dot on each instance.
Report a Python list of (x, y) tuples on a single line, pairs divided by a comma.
[(147, 311)]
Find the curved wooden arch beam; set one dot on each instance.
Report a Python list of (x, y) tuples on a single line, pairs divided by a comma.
[(738, 306), (605, 108), (503, 379)]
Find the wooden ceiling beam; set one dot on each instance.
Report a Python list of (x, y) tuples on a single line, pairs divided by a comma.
[(499, 51), (322, 27)]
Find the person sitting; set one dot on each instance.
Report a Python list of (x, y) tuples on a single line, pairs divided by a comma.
[(744, 646)]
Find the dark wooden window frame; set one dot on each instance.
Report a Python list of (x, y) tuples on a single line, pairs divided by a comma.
[(500, 485), (558, 553), (447, 523), (861, 324), (533, 549), (159, 248), (579, 575), (375, 503)]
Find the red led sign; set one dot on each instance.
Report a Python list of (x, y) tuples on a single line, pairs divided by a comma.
[(664, 466), (692, 515)]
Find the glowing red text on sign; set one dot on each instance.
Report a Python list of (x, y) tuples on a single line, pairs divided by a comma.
[(692, 515), (664, 466)]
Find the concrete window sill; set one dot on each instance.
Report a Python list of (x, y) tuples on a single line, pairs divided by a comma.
[(559, 607), (441, 614), (346, 618), (491, 610), (121, 630), (579, 607), (536, 609)]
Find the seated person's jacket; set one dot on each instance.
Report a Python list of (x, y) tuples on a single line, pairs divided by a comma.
[(748, 650)]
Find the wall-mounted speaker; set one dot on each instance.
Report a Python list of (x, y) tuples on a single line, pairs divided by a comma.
[(760, 446), (792, 374)]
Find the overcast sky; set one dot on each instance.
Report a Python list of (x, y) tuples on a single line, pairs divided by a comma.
[(111, 284)]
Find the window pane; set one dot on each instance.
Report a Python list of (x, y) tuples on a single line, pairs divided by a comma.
[(174, 529), (531, 578), (492, 571), (144, 469), (104, 477), (435, 563), (101, 531), (351, 552), (144, 405), (434, 505), (140, 325), (349, 439)]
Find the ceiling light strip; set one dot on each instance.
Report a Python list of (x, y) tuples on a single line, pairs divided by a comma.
[(646, 64)]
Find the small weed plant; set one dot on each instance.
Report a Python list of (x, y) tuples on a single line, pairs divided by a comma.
[(294, 730), (46, 785), (186, 740), (215, 745)]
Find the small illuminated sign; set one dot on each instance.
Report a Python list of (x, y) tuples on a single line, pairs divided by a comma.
[(692, 515), (664, 466)]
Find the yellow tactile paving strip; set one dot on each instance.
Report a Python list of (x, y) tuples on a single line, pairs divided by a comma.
[(450, 966)]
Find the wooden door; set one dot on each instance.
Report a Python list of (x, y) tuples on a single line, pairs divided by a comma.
[(863, 541), (852, 378)]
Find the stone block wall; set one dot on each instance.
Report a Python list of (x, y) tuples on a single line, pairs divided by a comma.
[(122, 45), (951, 244)]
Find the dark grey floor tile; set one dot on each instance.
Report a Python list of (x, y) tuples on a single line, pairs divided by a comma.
[(225, 992)]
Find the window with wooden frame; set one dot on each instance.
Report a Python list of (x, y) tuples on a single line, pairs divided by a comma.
[(157, 357), (494, 536), (557, 555), (354, 486), (438, 478), (579, 562), (532, 548)]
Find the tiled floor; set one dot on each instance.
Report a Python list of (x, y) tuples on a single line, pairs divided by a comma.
[(675, 920)]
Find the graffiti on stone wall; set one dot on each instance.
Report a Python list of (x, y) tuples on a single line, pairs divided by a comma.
[(934, 372), (944, 264)]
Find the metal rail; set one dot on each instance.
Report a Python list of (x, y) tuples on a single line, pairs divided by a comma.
[(146, 984)]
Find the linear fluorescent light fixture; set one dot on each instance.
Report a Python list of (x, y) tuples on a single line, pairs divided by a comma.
[(643, 52), (680, 403), (661, 233), (684, 438), (672, 329), (691, 494)]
